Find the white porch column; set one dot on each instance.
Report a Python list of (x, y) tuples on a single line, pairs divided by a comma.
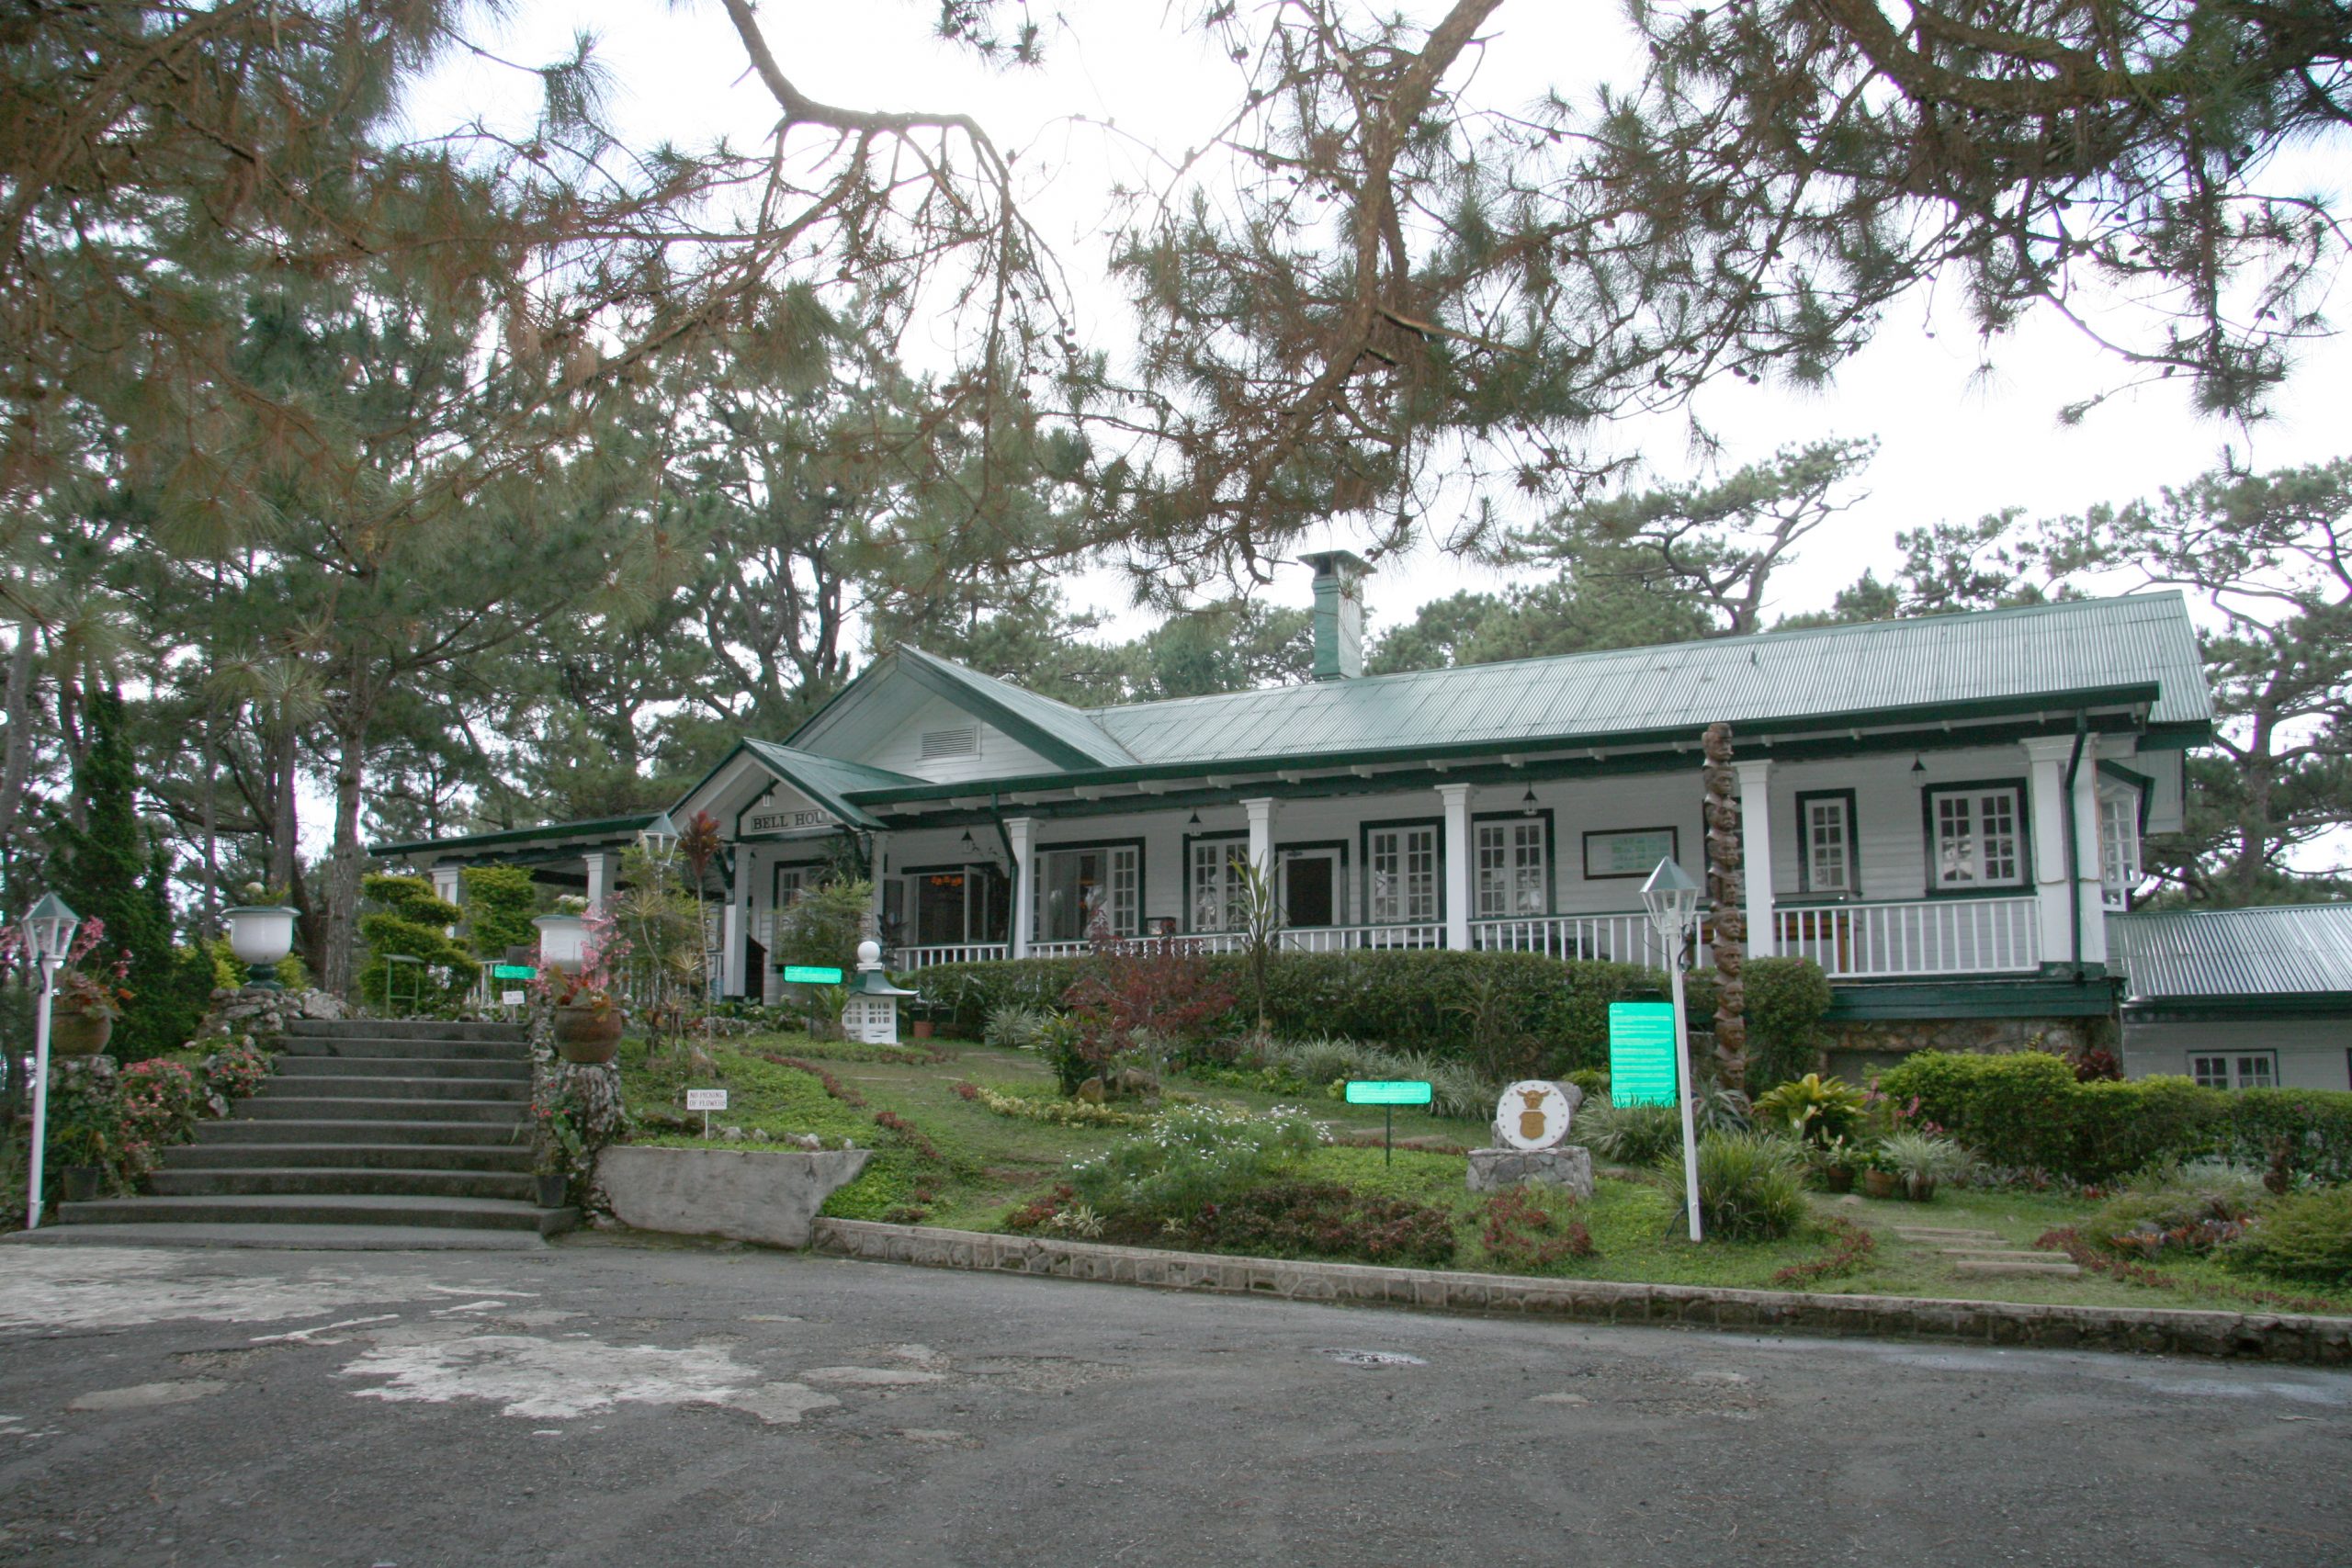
[(1021, 830), (600, 866), (877, 871), (1458, 858), (1756, 853), (1261, 834), (2046, 758), (735, 930), (449, 887)]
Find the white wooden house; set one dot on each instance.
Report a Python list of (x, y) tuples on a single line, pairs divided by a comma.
[(1949, 806)]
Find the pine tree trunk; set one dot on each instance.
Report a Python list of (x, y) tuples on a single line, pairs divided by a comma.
[(342, 864), (286, 827), (17, 761), (208, 922), (1727, 888)]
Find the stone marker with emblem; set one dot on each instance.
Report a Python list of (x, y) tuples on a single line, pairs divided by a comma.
[(1531, 1132)]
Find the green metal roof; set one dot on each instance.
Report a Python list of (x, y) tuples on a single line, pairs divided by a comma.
[(2285, 949), (828, 781), (1055, 729), (1772, 680)]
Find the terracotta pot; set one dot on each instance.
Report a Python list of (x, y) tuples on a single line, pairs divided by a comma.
[(1880, 1183), (922, 1029), (586, 1035), (1837, 1177), (72, 1032)]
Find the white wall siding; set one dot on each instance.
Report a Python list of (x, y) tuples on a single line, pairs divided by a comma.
[(997, 756), (2313, 1053)]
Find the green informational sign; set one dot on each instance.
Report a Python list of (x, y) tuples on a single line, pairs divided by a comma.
[(513, 972), (807, 975), (1641, 1053), (1405, 1092)]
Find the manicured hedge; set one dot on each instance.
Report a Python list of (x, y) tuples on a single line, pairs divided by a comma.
[(1410, 999), (2026, 1110)]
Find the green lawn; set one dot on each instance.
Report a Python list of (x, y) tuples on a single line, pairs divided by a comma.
[(956, 1164)]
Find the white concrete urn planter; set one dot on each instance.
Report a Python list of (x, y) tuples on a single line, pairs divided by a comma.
[(260, 935), (564, 941), (764, 1195)]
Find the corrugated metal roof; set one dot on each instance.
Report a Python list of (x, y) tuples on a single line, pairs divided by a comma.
[(829, 781), (1074, 727), (1786, 677), (2282, 950)]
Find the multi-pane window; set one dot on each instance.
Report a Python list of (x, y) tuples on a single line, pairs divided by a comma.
[(1213, 883), (1976, 838), (1827, 821), (1401, 874), (1077, 884), (2236, 1069), (2119, 844), (1513, 872)]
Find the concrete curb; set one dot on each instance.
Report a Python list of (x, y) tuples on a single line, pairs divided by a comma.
[(2282, 1336)]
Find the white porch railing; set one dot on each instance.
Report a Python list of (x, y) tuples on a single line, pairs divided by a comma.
[(1931, 936), (1627, 938), (952, 952)]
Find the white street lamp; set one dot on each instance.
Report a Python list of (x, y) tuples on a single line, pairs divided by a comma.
[(49, 937), (1672, 899), (660, 838), (261, 934)]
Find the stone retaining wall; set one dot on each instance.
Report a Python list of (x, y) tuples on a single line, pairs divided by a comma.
[(2317, 1341)]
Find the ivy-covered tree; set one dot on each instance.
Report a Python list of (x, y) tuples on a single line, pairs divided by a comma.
[(106, 870)]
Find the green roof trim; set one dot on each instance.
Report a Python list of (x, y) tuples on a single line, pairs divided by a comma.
[(828, 781), (601, 827), (1055, 730), (2020, 997)]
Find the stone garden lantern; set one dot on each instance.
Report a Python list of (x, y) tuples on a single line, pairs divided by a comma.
[(261, 934), (871, 1014)]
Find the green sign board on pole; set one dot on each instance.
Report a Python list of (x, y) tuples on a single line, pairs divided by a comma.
[(1641, 1053), (1406, 1092), (809, 974), (513, 972)]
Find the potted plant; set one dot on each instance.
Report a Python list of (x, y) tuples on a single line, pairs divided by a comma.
[(1878, 1177), (1920, 1160), (83, 1019), (1837, 1162), (588, 1017)]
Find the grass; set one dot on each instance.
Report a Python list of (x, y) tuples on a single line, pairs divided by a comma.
[(986, 1165)]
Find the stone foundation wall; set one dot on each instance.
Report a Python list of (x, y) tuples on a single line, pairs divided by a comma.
[(1883, 1041)]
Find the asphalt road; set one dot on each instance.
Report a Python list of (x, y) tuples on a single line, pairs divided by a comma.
[(603, 1403)]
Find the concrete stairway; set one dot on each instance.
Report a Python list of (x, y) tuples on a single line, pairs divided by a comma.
[(412, 1124)]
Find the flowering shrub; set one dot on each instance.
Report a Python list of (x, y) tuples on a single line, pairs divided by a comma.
[(1055, 1112), (234, 1074), (1194, 1156), (1525, 1236)]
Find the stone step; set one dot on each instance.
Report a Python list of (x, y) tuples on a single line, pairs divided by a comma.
[(295, 1047), (403, 1028), (394, 1182), (252, 1152), (354, 1108), (285, 1237), (2014, 1254), (2052, 1268), (370, 1086), (470, 1213), (490, 1069), (505, 1131), (1944, 1233)]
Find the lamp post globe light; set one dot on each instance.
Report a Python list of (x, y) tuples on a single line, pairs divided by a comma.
[(261, 934), (1672, 899), (49, 937), (660, 838)]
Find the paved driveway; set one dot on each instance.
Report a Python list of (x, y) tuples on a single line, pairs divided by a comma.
[(603, 1403)]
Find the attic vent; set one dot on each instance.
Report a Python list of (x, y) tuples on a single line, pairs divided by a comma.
[(962, 741)]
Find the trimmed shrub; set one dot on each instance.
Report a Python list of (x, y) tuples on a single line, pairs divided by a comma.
[(410, 920), (1411, 1001), (2194, 1216), (2306, 1235), (1787, 998), (2028, 1110), (499, 901)]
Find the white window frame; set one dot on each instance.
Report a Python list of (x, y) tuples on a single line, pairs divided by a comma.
[(2119, 843), (1402, 880), (1512, 862), (1814, 846), (1972, 801), (2235, 1069), (1212, 881)]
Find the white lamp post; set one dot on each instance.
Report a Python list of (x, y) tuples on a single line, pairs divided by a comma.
[(261, 934), (49, 937), (1672, 899)]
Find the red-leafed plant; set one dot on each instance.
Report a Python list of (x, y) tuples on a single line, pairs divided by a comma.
[(1154, 987)]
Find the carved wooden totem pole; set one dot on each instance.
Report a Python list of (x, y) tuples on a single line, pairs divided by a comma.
[(1725, 888)]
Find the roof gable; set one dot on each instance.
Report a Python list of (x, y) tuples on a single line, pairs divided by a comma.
[(860, 720)]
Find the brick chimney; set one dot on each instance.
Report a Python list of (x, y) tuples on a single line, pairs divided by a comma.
[(1339, 613)]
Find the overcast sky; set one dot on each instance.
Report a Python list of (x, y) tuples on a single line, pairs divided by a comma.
[(1954, 445)]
